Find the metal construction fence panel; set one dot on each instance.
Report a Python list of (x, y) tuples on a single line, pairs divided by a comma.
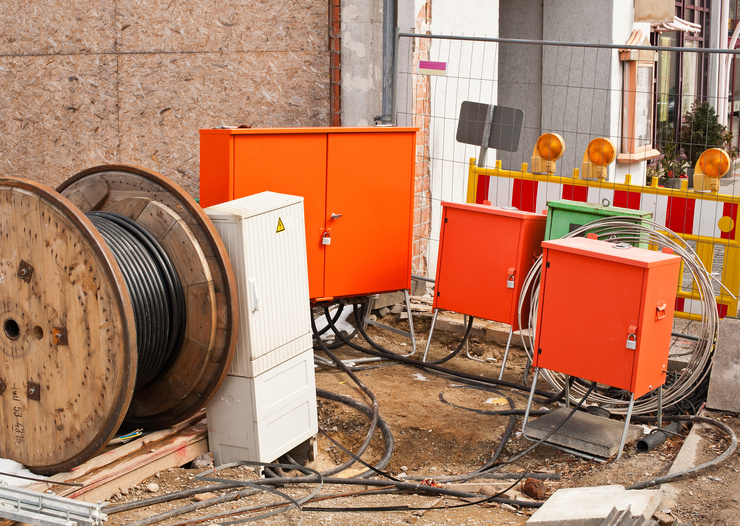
[(652, 103)]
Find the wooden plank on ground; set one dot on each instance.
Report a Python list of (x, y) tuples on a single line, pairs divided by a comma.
[(116, 454), (129, 464)]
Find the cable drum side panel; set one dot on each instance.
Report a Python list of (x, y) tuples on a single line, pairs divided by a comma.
[(191, 242), (67, 340)]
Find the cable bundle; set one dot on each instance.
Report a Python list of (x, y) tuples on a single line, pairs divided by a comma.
[(156, 293), (692, 381)]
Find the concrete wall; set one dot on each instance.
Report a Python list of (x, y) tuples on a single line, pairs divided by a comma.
[(520, 73), (132, 81), (362, 61), (581, 93)]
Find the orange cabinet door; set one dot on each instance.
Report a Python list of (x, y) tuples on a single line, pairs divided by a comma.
[(357, 185), (484, 255), (293, 164), (598, 313), (369, 209)]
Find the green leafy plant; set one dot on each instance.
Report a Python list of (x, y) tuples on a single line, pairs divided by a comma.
[(673, 164), (701, 130)]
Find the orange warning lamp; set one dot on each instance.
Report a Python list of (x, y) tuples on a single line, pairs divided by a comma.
[(712, 164), (549, 148), (599, 154)]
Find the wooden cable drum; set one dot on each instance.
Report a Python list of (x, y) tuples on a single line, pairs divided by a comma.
[(70, 321)]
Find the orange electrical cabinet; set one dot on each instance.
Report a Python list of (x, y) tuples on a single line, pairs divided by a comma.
[(485, 253), (358, 190), (605, 312)]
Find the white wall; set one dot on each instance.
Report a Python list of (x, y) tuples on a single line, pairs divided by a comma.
[(471, 75)]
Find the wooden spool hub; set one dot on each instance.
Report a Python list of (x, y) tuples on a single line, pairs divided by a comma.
[(67, 333)]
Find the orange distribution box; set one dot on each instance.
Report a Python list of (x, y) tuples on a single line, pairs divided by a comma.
[(485, 253), (605, 312), (358, 190)]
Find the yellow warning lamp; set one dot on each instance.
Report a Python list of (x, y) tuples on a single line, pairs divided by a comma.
[(549, 148), (599, 154), (712, 164)]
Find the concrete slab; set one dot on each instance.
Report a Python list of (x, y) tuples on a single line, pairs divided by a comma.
[(725, 377), (593, 435), (590, 506)]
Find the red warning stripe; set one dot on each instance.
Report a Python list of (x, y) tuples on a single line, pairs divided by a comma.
[(575, 193), (729, 210), (524, 195), (481, 191), (680, 215), (624, 199)]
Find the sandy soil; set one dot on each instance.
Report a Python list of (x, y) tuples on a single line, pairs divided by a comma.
[(441, 428)]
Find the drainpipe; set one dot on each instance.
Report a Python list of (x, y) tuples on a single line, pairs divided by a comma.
[(728, 70), (389, 40), (723, 81)]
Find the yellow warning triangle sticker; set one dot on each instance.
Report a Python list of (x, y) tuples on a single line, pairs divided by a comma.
[(280, 226)]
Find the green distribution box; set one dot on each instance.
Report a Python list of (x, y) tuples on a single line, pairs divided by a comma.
[(564, 216)]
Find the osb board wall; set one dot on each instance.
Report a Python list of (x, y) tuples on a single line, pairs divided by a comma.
[(132, 81)]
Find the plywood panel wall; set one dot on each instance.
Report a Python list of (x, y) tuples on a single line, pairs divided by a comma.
[(132, 81)]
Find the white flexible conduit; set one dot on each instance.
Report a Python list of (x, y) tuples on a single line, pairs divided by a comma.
[(625, 229)]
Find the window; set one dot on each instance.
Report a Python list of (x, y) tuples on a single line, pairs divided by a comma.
[(637, 103)]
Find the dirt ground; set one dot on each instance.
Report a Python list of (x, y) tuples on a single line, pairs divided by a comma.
[(441, 428)]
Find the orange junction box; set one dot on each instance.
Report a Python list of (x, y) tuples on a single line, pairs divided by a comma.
[(358, 190), (605, 312), (485, 253)]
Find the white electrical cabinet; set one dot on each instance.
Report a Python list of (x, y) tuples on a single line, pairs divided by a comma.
[(267, 403)]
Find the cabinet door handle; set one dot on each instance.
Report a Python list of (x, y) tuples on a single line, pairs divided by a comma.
[(660, 310), (254, 295), (336, 216)]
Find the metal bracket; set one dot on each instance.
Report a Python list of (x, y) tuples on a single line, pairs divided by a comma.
[(34, 391), (25, 271), (59, 335)]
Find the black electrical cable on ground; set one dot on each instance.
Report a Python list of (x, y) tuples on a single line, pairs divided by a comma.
[(378, 347), (336, 342), (551, 398), (362, 386), (692, 418), (155, 289), (382, 425)]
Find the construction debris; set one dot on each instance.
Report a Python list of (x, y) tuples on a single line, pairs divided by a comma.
[(591, 506)]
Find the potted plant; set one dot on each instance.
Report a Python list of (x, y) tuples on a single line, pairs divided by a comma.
[(673, 167)]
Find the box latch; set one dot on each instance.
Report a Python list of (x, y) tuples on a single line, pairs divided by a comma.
[(660, 310)]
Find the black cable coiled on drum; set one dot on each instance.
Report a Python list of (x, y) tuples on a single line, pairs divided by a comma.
[(156, 293)]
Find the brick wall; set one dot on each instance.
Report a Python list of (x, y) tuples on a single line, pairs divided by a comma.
[(335, 64), (422, 112)]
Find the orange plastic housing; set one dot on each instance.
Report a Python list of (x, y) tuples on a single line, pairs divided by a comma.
[(485, 253), (358, 190), (605, 312)]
